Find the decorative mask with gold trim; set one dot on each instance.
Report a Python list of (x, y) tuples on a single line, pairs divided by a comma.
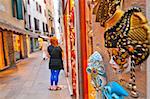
[(105, 9)]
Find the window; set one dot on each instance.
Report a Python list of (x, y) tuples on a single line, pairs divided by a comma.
[(45, 12), (17, 9), (43, 27), (52, 30), (46, 28), (40, 8), (45, 1), (29, 22), (14, 8), (37, 6), (36, 24), (28, 1)]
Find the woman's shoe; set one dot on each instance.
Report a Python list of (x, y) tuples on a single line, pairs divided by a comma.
[(58, 88), (50, 88)]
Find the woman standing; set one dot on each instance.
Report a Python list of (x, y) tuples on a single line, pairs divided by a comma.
[(44, 49), (55, 63)]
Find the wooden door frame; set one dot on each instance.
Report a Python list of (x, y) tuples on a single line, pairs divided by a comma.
[(4, 56)]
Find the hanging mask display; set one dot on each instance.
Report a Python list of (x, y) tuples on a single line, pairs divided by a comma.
[(130, 35), (130, 40)]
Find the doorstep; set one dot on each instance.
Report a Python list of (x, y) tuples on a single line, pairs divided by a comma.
[(7, 67)]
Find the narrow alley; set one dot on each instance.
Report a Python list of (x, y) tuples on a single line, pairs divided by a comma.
[(30, 80)]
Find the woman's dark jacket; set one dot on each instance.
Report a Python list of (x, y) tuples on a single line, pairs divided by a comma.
[(56, 62)]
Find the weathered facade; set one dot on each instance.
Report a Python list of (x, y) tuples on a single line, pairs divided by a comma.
[(50, 16), (36, 23)]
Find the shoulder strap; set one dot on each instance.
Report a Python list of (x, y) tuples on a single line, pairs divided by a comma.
[(51, 49)]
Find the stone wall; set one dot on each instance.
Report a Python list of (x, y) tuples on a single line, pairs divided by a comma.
[(148, 61), (8, 47), (139, 3), (25, 48)]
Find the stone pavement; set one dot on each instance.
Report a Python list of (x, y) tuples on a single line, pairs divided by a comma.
[(30, 80)]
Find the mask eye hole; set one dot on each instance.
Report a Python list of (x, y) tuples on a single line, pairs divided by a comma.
[(101, 69)]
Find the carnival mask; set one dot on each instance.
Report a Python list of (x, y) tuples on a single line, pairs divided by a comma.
[(120, 62), (96, 70), (105, 9)]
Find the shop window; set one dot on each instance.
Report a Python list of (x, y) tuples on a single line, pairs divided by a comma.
[(17, 46), (17, 10)]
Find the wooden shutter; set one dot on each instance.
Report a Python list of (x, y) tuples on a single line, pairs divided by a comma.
[(12, 3), (19, 10)]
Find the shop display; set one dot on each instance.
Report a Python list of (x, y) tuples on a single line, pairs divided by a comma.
[(129, 37), (96, 69)]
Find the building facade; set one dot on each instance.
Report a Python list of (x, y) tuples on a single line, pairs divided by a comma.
[(50, 16), (12, 33), (58, 19), (36, 22)]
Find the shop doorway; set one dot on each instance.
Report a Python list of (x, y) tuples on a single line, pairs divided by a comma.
[(31, 45), (2, 53), (17, 46)]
